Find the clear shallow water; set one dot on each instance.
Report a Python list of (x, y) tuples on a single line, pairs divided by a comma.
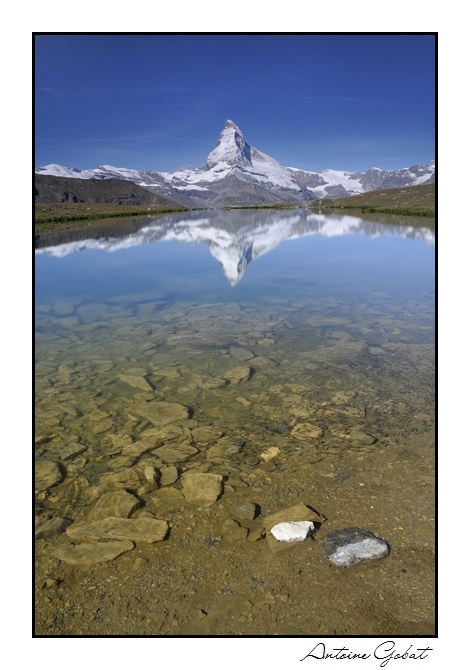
[(325, 302), (333, 316)]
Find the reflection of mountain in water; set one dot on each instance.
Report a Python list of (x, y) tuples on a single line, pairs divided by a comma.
[(235, 238)]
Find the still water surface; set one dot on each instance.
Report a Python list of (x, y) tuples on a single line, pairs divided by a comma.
[(332, 319)]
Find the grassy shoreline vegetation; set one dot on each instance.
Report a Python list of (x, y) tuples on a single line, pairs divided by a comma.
[(49, 217), (406, 201)]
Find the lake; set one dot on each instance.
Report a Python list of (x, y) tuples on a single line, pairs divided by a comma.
[(289, 353)]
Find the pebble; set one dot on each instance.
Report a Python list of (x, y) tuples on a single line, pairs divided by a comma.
[(270, 453)]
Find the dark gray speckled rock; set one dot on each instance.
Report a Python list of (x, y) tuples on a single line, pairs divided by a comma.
[(351, 546)]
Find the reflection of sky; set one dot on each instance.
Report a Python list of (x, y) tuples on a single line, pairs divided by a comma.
[(175, 249)]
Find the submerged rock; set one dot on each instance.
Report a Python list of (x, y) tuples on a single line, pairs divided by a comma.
[(71, 450), (361, 436), (306, 431), (162, 413), (142, 529), (51, 527), (239, 374), (136, 381), (241, 354), (46, 474), (210, 383), (175, 453), (89, 553), (350, 546)]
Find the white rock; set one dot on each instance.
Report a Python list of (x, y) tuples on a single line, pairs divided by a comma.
[(293, 531)]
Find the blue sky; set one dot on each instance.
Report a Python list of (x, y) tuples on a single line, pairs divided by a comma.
[(159, 102)]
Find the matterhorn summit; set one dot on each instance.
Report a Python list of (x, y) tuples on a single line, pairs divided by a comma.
[(230, 149)]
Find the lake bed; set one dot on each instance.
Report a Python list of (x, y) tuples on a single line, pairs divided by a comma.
[(291, 355)]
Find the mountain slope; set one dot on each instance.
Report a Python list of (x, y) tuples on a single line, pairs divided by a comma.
[(49, 188), (237, 174), (417, 200)]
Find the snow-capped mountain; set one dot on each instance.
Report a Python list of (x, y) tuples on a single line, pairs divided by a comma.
[(237, 174)]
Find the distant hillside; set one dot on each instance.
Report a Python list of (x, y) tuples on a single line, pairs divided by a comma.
[(410, 200), (49, 188)]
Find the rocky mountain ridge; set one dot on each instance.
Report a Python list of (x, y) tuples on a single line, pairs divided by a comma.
[(49, 188), (237, 174)]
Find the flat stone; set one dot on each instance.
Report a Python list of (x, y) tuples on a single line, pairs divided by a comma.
[(136, 449), (97, 415), (103, 426), (129, 478), (162, 413), (295, 513), (175, 453), (168, 475), (40, 518), (350, 546), (238, 375), (201, 489), (211, 383), (115, 503), (167, 501), (90, 553), (224, 448), (51, 527), (206, 435), (293, 531), (46, 474), (70, 450), (306, 431), (241, 354), (142, 529), (136, 381), (361, 436), (263, 363), (169, 432)]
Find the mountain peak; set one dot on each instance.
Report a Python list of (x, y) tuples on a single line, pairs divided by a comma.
[(231, 149)]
